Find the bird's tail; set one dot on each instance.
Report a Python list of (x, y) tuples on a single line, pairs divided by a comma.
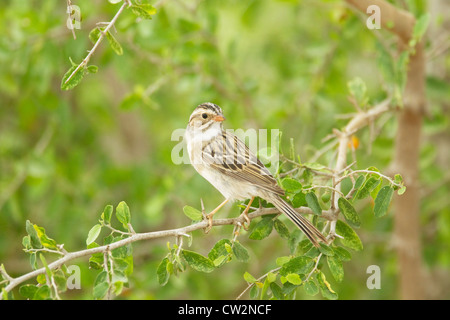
[(301, 222)]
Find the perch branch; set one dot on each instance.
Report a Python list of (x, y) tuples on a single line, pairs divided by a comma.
[(134, 237)]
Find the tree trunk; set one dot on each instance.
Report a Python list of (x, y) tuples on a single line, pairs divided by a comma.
[(407, 229)]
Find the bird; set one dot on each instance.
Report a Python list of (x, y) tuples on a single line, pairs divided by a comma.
[(234, 170)]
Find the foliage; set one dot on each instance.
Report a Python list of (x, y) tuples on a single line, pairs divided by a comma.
[(69, 146)]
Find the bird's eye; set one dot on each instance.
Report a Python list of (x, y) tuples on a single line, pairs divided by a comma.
[(204, 116)]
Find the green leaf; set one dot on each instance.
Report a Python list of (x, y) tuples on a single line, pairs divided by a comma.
[(107, 213), (375, 191), (118, 276), (240, 252), (359, 181), (45, 241), (93, 234), (313, 252), (351, 239), (325, 287), (294, 278), (346, 185), (115, 45), (326, 196), (299, 200), (336, 268), (192, 213), (373, 168), (120, 252), (307, 177), (262, 229), (419, 29), (197, 261), (299, 265), (271, 277), (26, 242), (294, 240), (96, 260), (28, 291), (264, 289), (60, 280), (249, 278), (305, 245), (219, 261), (349, 212), (398, 179), (326, 250), (276, 291), (33, 260), (313, 203), (35, 241), (310, 288), (281, 228), (117, 287), (254, 292), (219, 250), (288, 288), (367, 188), (124, 264), (282, 260), (358, 90), (94, 35), (123, 214), (75, 79), (162, 272), (42, 293), (291, 185), (101, 285), (41, 279), (401, 191), (382, 201), (92, 69), (44, 262), (144, 11), (100, 290), (342, 254)]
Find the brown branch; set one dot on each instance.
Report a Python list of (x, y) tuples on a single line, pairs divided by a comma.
[(397, 21), (134, 237), (359, 121)]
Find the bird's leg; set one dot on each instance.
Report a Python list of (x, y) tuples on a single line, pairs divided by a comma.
[(210, 215), (245, 214)]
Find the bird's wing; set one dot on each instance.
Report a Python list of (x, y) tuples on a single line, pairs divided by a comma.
[(228, 154)]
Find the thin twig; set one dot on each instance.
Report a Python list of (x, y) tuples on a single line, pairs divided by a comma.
[(368, 171), (69, 12), (315, 267), (259, 279), (99, 40)]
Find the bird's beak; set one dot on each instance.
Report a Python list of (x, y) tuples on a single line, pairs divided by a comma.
[(219, 118)]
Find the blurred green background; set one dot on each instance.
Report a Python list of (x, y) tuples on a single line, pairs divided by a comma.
[(269, 64)]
